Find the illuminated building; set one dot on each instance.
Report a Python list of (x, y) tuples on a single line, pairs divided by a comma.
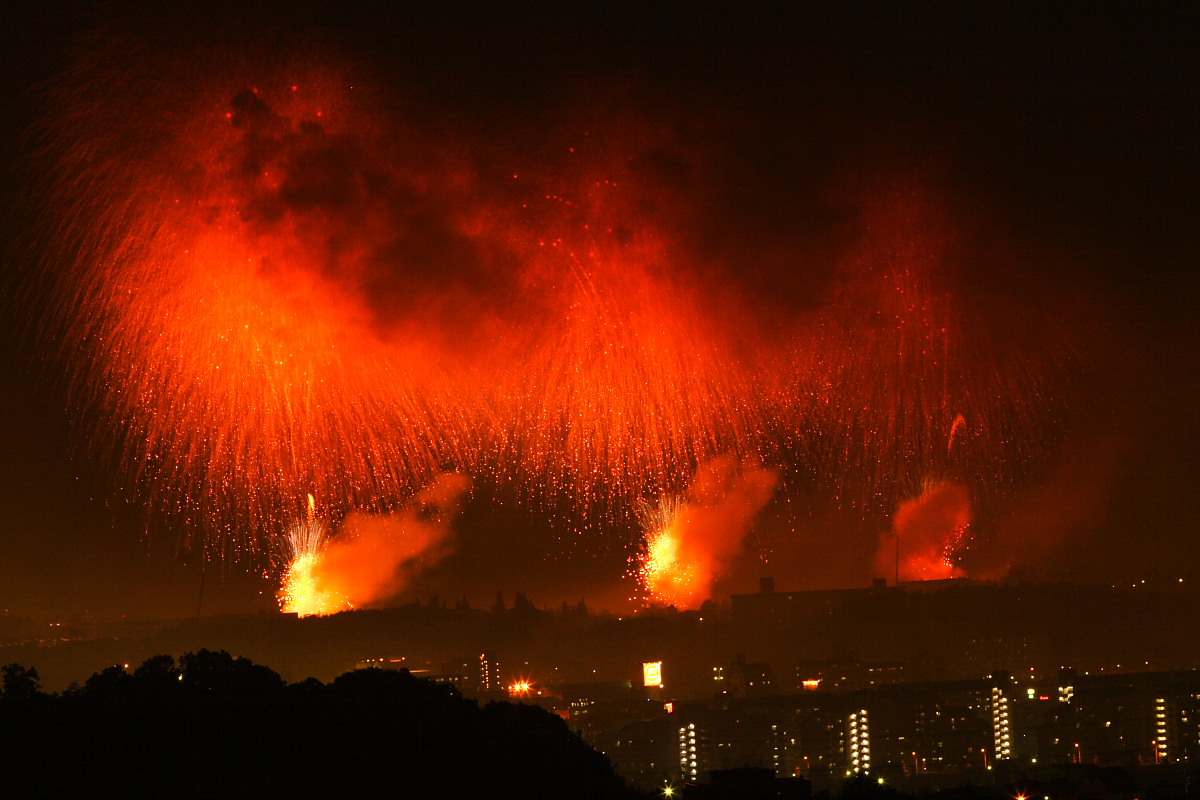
[(1001, 726), (915, 731), (740, 679), (1130, 719), (489, 674), (689, 752), (1066, 685), (840, 675), (858, 742), (646, 751), (810, 734), (1186, 719), (1162, 747)]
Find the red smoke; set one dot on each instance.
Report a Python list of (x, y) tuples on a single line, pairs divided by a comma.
[(690, 542), (928, 534), (374, 555)]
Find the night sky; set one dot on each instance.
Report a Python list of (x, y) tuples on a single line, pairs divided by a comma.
[(1061, 143)]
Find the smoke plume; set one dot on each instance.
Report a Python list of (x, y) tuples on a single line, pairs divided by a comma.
[(375, 555), (927, 535), (689, 543)]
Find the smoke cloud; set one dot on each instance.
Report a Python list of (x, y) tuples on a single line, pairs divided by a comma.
[(927, 535), (686, 554), (375, 555)]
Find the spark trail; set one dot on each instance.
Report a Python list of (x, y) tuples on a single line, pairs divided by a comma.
[(267, 281)]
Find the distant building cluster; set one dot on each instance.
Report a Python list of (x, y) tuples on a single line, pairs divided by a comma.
[(881, 682), (900, 732), (480, 678)]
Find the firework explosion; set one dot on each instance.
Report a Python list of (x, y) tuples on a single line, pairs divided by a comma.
[(627, 391), (688, 541), (658, 569), (302, 552), (372, 556), (903, 382), (218, 300), (929, 536), (270, 290), (268, 282)]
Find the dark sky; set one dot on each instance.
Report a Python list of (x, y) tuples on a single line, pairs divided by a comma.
[(1067, 135)]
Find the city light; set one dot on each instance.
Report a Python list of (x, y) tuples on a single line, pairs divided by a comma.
[(652, 673), (1001, 731)]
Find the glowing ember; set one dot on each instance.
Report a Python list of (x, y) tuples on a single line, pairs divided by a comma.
[(959, 421)]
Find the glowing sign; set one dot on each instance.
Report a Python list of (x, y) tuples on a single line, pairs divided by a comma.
[(652, 673)]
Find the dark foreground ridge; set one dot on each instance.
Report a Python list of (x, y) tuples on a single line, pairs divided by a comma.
[(211, 725)]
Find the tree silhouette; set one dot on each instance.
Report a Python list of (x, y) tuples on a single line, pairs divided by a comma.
[(208, 671), (523, 607), (212, 725), (20, 683), (113, 681), (157, 674)]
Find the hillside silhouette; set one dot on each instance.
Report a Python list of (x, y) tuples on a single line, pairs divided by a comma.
[(211, 725)]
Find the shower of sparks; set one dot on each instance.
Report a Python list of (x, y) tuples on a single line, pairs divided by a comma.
[(265, 296), (664, 576), (302, 551)]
